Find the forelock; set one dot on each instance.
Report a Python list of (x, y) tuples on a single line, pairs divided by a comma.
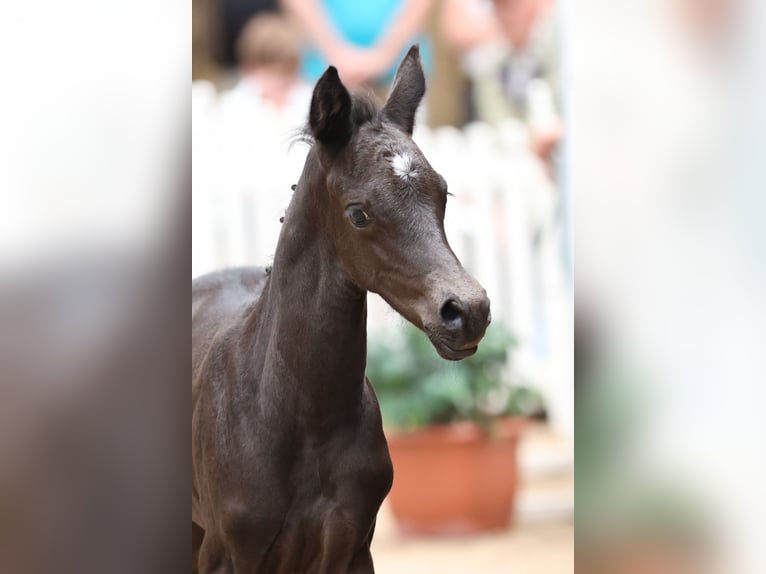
[(364, 109)]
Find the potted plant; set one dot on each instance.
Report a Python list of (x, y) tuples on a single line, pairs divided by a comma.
[(453, 431)]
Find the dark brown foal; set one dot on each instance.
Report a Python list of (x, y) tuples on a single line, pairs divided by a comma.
[(290, 461)]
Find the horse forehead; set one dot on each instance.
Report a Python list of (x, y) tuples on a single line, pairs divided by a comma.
[(404, 164), (403, 159), (391, 153)]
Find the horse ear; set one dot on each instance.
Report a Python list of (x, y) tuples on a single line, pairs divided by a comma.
[(407, 91), (330, 113)]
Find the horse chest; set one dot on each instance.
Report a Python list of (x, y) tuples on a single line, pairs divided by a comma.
[(333, 512), (351, 473)]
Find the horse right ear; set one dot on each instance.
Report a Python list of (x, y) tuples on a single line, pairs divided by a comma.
[(330, 113)]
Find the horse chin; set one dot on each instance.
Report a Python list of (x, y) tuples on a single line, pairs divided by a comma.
[(450, 353)]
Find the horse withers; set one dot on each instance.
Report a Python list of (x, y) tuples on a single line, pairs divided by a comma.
[(290, 464)]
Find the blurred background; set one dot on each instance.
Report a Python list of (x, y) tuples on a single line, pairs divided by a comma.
[(484, 449), (652, 119)]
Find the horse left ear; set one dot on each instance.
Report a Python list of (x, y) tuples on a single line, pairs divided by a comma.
[(407, 91), (330, 113)]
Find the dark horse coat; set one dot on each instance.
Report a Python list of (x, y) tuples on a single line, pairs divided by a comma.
[(290, 464)]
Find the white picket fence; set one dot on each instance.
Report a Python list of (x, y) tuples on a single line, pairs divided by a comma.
[(502, 222)]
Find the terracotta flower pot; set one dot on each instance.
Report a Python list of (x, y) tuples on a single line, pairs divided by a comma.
[(454, 479)]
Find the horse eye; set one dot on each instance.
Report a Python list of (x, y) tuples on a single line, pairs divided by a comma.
[(358, 216)]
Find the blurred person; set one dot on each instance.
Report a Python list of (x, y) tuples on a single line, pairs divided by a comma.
[(250, 130), (268, 52), (468, 24), (509, 51), (226, 21), (364, 40)]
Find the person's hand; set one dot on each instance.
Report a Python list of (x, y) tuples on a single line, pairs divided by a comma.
[(359, 66)]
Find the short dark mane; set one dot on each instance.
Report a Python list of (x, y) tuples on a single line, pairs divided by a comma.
[(365, 108)]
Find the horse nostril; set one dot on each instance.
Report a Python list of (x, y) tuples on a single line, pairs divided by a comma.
[(450, 311)]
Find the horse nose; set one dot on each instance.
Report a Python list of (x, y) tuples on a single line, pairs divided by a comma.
[(466, 320)]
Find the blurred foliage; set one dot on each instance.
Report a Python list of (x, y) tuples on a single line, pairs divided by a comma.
[(417, 388)]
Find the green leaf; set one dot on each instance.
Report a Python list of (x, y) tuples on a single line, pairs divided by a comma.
[(417, 388)]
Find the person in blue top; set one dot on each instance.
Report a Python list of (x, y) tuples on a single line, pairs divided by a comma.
[(364, 39)]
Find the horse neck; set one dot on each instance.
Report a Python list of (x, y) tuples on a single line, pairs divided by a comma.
[(314, 319)]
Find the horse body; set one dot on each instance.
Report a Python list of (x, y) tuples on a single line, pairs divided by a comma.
[(290, 464), (295, 460)]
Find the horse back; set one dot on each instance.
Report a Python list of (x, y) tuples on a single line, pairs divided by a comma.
[(219, 300)]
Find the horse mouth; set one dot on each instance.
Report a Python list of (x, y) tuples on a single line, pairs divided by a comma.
[(450, 353)]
